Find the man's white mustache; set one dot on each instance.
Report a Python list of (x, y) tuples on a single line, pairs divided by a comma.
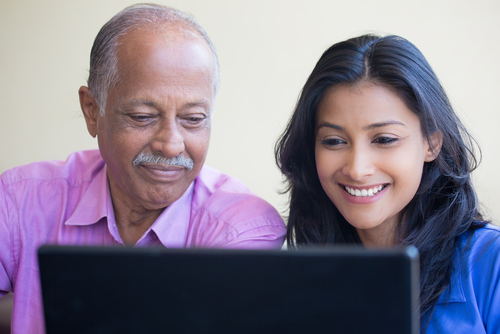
[(150, 158)]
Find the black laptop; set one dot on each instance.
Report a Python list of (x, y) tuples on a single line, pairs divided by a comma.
[(157, 290)]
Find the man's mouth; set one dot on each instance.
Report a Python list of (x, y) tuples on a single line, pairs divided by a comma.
[(369, 192), (163, 168)]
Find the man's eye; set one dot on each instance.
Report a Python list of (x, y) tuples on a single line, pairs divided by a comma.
[(385, 140), (194, 120), (140, 118)]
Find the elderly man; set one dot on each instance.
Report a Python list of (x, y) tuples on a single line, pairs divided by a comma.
[(149, 101)]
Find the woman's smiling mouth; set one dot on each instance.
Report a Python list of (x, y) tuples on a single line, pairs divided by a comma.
[(365, 192)]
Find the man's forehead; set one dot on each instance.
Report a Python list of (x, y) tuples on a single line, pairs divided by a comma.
[(169, 34), (154, 67), (169, 47)]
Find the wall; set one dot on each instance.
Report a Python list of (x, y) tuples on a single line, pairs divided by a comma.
[(266, 49)]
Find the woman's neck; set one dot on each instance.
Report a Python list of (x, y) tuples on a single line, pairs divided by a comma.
[(381, 236)]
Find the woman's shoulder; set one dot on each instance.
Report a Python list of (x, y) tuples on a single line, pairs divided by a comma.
[(479, 247), (489, 228), (484, 268), (482, 238)]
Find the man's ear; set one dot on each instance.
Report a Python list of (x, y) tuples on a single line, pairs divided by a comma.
[(90, 109), (434, 146)]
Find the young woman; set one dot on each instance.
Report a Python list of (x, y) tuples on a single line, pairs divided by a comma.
[(375, 155)]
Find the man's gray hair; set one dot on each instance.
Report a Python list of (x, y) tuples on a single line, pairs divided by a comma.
[(103, 73)]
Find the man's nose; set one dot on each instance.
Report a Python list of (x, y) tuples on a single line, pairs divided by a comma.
[(358, 164), (168, 140)]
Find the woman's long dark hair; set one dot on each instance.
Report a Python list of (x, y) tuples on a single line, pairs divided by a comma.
[(445, 205)]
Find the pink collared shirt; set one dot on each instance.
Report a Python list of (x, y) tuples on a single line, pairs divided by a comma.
[(69, 203)]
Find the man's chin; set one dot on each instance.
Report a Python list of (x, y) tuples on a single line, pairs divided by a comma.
[(162, 199), (157, 192)]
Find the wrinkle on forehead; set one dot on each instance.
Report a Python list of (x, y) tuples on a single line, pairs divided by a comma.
[(181, 47)]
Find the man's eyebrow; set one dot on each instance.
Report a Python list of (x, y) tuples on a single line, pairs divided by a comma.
[(199, 103), (382, 124), (141, 102)]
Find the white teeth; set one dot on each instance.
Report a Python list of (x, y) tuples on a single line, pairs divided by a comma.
[(364, 192)]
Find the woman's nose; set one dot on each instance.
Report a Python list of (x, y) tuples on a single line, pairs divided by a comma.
[(358, 164)]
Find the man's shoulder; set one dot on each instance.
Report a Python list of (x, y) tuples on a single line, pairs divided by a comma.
[(226, 197), (78, 167), (212, 180), (225, 213)]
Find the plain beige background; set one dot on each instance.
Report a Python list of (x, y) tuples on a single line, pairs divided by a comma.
[(266, 50)]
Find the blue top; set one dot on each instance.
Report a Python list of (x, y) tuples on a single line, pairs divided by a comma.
[(472, 304)]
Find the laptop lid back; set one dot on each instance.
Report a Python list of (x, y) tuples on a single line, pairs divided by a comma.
[(156, 290)]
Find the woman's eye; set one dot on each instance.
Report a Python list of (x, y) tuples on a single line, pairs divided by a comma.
[(332, 142), (385, 140)]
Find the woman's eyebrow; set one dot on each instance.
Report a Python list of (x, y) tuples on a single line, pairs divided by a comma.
[(382, 124), (365, 128), (330, 125)]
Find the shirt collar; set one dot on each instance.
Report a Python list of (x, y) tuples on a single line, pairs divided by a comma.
[(95, 202), (172, 226), (455, 291)]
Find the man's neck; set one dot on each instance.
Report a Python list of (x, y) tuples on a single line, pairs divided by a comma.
[(133, 224), (132, 217)]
